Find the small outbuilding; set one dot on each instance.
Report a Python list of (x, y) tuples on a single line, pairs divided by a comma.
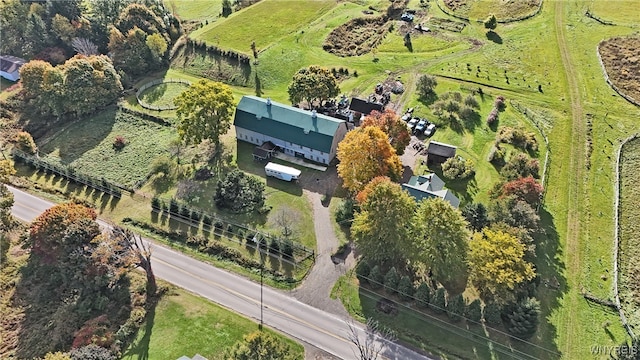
[(438, 153), (364, 107), (429, 186), (10, 67)]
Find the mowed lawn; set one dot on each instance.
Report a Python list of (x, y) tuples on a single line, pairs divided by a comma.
[(185, 324), (87, 146), (268, 21), (163, 94)]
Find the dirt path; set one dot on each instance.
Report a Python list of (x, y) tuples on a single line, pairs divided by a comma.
[(576, 180), (316, 288)]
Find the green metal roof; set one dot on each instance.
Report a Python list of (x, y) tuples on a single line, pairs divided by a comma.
[(286, 123)]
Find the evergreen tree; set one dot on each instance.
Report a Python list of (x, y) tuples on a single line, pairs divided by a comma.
[(405, 288), (492, 312), (375, 277), (455, 307), (391, 281), (423, 295), (438, 303), (522, 317), (362, 270), (473, 311)]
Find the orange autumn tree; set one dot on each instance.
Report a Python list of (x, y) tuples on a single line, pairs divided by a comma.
[(391, 124), (364, 154)]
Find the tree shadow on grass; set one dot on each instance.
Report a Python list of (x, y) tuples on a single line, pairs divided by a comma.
[(140, 348), (429, 99), (493, 36)]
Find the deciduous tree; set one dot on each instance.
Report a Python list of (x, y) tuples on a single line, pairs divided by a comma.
[(382, 228), (391, 124), (426, 85), (6, 197), (239, 192), (441, 242), (204, 112), (364, 154), (496, 261), (312, 84), (525, 189)]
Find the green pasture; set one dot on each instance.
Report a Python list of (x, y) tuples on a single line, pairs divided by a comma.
[(185, 324), (620, 12), (265, 23), (163, 94), (195, 10), (87, 146)]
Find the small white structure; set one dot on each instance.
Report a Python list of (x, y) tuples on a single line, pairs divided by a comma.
[(10, 67), (282, 172)]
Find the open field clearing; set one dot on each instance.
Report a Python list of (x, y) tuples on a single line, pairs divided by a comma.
[(619, 12), (268, 21), (162, 94), (88, 146)]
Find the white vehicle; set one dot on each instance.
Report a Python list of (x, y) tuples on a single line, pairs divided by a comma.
[(282, 172), (430, 129)]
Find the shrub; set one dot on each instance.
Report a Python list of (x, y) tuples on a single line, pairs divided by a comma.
[(119, 142), (405, 288), (423, 295), (362, 270), (207, 220), (518, 137), (91, 352), (499, 103), (455, 308), (185, 212), (230, 230), (345, 211), (471, 102), (155, 203), (473, 311), (195, 216), (520, 166), (458, 168), (174, 207), (492, 118), (287, 249), (274, 246), (161, 165), (375, 277), (438, 303), (492, 313), (218, 225), (240, 234), (25, 143), (496, 155), (391, 281)]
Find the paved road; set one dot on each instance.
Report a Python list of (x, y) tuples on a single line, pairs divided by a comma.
[(292, 317)]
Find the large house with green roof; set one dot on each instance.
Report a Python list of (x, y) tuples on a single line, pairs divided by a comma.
[(295, 131)]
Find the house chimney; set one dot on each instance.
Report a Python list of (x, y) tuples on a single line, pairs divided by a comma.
[(268, 101)]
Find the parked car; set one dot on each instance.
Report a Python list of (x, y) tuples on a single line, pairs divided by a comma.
[(406, 117), (412, 123), (430, 130), (406, 17), (410, 111), (422, 124)]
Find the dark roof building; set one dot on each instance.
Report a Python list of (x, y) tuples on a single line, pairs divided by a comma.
[(10, 67), (438, 152), (296, 131), (364, 107), (429, 186)]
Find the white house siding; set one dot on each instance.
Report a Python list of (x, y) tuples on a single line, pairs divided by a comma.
[(13, 76), (289, 148)]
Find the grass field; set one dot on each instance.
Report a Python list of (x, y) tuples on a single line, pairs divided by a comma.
[(629, 239), (622, 12), (162, 94), (195, 10), (87, 145), (185, 324), (268, 21)]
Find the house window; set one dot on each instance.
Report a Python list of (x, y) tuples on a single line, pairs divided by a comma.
[(252, 139)]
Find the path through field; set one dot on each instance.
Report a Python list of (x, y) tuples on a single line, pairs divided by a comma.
[(575, 180)]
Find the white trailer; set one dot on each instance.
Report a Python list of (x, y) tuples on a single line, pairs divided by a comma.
[(282, 172)]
